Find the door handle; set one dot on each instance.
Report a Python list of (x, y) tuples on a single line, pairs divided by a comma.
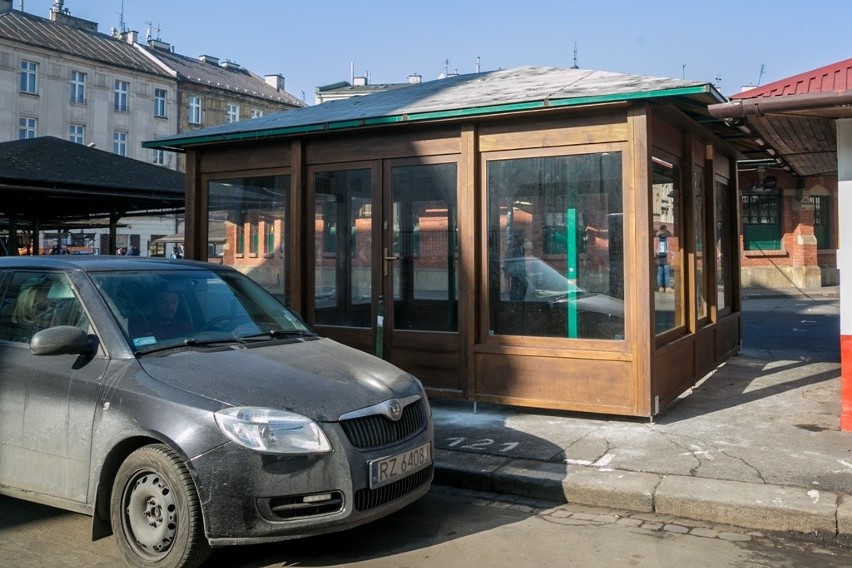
[(388, 259)]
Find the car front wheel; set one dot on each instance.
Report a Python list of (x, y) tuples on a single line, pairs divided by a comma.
[(155, 512)]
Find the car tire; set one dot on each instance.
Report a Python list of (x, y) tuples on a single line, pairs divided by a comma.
[(155, 511)]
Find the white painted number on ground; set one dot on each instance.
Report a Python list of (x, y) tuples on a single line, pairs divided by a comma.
[(481, 445)]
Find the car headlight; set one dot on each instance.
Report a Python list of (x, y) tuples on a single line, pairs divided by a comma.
[(272, 431)]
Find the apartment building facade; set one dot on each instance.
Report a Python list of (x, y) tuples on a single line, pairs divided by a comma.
[(59, 76)]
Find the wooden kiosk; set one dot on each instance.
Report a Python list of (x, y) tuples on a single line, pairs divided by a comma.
[(556, 238)]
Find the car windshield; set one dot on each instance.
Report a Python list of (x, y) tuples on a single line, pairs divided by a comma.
[(170, 308)]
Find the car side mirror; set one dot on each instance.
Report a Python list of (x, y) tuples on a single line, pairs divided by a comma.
[(62, 340)]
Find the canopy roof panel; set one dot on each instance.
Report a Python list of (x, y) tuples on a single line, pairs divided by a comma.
[(478, 94), (53, 180), (795, 118)]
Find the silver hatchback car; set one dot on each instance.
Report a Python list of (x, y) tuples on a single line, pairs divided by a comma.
[(184, 408)]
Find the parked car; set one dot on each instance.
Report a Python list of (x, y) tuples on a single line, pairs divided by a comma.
[(184, 408), (537, 297)]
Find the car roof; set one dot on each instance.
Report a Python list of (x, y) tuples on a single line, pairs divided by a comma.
[(98, 263)]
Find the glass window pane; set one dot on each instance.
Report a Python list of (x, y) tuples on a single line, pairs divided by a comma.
[(425, 241), (38, 300), (343, 248), (233, 203), (698, 202), (723, 245), (555, 246), (666, 227)]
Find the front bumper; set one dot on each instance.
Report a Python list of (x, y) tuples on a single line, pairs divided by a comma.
[(251, 498)]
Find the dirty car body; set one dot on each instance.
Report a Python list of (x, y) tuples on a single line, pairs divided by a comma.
[(226, 421)]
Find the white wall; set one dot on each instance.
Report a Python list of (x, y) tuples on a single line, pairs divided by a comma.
[(844, 248)]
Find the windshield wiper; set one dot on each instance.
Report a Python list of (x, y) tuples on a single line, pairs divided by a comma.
[(278, 333), (187, 343)]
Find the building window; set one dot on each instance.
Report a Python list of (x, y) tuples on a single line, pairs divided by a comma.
[(77, 133), (29, 77), (160, 103), (159, 157), (78, 87), (269, 235), (575, 202), (233, 113), (122, 90), (194, 110), (822, 220), (762, 216), (253, 239), (256, 113), (28, 128), (241, 238), (119, 143)]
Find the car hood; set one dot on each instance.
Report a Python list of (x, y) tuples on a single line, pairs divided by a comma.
[(318, 378), (601, 304)]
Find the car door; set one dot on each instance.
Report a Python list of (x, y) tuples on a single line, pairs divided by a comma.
[(47, 403)]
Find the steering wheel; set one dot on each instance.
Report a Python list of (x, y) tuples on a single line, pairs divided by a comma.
[(218, 323)]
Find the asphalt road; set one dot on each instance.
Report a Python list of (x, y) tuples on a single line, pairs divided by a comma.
[(450, 528), (792, 327)]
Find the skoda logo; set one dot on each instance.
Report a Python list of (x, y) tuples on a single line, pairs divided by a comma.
[(395, 410)]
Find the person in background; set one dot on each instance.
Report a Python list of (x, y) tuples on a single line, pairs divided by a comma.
[(515, 265), (163, 320), (662, 250), (33, 312)]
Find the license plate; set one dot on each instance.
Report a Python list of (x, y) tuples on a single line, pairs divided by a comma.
[(389, 469)]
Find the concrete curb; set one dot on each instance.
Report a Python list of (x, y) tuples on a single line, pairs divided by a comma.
[(746, 505)]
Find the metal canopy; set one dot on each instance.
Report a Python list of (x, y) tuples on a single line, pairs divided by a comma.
[(54, 183), (794, 119)]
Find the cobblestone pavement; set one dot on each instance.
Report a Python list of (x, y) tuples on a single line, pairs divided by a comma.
[(576, 515)]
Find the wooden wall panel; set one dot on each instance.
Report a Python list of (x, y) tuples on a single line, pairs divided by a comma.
[(609, 127), (721, 165), (361, 339), (673, 370), (241, 157), (562, 383), (666, 136), (705, 351), (384, 144), (431, 357), (727, 336)]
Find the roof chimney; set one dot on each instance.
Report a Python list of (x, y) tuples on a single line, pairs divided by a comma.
[(159, 44), (359, 81), (209, 59), (61, 15), (276, 81), (415, 79)]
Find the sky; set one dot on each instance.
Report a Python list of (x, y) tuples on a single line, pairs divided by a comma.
[(730, 43)]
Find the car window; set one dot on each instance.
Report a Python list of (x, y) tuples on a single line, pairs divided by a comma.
[(158, 309), (38, 300)]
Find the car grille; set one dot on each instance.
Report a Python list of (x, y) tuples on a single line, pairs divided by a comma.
[(376, 431), (366, 499)]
